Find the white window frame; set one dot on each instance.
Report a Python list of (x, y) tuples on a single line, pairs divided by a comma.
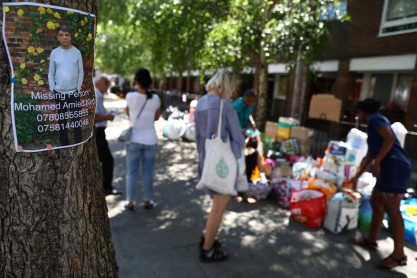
[(394, 23)]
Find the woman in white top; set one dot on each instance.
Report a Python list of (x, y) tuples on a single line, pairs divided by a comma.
[(143, 109)]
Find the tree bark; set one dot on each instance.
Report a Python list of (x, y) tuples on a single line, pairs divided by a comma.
[(53, 214), (262, 75), (298, 99), (262, 88)]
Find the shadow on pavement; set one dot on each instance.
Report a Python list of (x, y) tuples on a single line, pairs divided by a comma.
[(262, 239)]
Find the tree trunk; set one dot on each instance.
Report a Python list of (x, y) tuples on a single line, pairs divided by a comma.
[(262, 88), (53, 212), (298, 99)]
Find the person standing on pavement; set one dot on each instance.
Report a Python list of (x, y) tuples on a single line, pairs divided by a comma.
[(101, 85), (206, 116), (392, 169), (244, 107), (143, 109)]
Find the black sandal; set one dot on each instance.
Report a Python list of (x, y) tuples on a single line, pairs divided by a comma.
[(365, 243), (213, 255), (390, 262), (216, 244)]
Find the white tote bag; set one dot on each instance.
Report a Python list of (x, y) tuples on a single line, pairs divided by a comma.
[(220, 166), (242, 180)]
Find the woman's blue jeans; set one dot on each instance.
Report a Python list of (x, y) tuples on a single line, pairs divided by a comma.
[(140, 156)]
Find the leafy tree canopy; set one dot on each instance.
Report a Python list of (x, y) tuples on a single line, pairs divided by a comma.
[(170, 36)]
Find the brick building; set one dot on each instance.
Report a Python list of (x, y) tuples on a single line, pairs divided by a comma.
[(372, 55)]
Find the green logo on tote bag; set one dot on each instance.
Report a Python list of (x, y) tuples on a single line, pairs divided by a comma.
[(222, 170)]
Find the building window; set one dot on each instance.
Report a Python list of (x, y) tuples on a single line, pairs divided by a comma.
[(399, 16), (280, 86), (393, 90)]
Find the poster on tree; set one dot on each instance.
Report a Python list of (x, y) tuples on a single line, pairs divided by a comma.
[(51, 55)]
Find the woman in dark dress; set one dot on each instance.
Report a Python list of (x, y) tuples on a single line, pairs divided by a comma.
[(392, 169)]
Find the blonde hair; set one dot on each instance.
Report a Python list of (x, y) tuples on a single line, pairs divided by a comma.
[(222, 84)]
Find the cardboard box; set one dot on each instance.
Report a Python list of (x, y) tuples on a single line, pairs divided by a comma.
[(303, 135), (284, 127), (282, 171), (325, 107), (271, 129)]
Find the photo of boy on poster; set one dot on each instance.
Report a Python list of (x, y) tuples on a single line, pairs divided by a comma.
[(65, 79), (51, 56)]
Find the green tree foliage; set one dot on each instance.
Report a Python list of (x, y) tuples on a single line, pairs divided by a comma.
[(174, 36), (118, 43), (258, 32), (165, 36), (175, 31)]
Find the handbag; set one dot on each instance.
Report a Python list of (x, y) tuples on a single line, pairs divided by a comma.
[(220, 165), (342, 213), (242, 181), (126, 134)]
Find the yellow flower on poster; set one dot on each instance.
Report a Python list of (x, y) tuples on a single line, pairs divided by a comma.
[(41, 10), (82, 23), (36, 77), (31, 50), (24, 81), (57, 15), (39, 30), (40, 82), (49, 10), (50, 25), (70, 12), (22, 66), (39, 49), (6, 9), (76, 35), (20, 12), (42, 61), (86, 19)]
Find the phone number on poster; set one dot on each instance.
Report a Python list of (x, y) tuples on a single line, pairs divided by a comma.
[(61, 116), (58, 127)]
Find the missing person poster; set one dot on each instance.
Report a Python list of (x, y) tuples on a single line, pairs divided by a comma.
[(51, 54)]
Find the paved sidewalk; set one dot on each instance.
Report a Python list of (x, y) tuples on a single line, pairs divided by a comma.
[(262, 239)]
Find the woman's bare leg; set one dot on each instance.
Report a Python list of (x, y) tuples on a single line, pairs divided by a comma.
[(392, 207), (377, 215), (214, 219)]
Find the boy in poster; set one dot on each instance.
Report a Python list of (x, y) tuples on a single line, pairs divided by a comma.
[(65, 79)]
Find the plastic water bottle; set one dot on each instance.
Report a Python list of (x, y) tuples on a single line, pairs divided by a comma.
[(365, 214)]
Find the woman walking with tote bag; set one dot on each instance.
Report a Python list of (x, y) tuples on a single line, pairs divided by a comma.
[(207, 113)]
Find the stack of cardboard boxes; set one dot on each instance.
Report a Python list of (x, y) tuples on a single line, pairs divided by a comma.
[(294, 139)]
